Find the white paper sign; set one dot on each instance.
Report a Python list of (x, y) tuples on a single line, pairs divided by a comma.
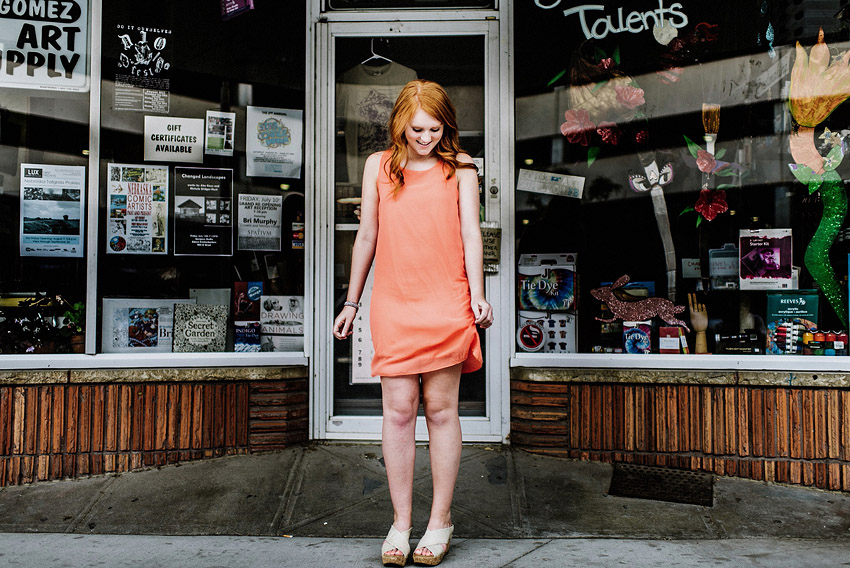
[(553, 184), (273, 142), (219, 133), (44, 45), (52, 210), (169, 139)]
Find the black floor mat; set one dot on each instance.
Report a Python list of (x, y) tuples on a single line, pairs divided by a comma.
[(662, 484)]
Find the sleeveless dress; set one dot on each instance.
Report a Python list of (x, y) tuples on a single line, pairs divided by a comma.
[(420, 313)]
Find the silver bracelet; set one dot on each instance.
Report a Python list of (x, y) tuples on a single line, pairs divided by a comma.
[(355, 305)]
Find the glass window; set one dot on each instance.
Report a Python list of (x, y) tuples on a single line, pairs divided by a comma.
[(44, 137), (202, 178), (669, 198)]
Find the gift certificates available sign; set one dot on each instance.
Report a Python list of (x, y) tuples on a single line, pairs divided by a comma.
[(597, 21)]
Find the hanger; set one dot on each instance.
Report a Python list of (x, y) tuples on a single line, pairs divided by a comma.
[(375, 56)]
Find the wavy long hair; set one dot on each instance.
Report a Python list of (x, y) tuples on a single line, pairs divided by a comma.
[(431, 98)]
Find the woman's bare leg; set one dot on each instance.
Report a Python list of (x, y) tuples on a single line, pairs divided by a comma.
[(440, 396), (400, 400)]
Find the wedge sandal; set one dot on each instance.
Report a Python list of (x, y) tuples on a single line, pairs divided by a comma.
[(437, 541), (396, 539)]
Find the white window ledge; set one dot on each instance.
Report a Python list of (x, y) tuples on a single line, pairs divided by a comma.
[(150, 361)]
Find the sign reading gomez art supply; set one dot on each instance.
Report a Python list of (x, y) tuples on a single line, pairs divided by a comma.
[(43, 44), (170, 139)]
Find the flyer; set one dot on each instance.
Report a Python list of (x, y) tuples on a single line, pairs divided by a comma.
[(138, 325), (203, 212), (142, 73), (169, 139), (52, 210), (273, 142), (137, 209), (219, 133), (260, 221), (765, 261)]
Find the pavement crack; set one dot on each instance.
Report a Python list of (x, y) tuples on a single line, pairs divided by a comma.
[(516, 489), (535, 549), (291, 490), (75, 524)]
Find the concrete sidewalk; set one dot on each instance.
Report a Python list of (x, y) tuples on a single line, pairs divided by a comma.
[(511, 509)]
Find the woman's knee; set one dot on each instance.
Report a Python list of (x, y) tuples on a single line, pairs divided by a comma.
[(440, 411)]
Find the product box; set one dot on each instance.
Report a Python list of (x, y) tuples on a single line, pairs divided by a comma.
[(765, 259), (246, 300), (547, 282), (637, 337), (672, 340), (546, 332), (246, 336), (789, 315)]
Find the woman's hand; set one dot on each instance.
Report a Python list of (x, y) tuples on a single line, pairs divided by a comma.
[(483, 312), (344, 322)]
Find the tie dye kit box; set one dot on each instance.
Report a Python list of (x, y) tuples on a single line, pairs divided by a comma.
[(547, 303)]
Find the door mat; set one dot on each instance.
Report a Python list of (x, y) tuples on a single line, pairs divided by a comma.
[(662, 484)]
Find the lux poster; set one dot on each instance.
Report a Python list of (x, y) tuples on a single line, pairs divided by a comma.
[(137, 209), (273, 142), (52, 210), (203, 212)]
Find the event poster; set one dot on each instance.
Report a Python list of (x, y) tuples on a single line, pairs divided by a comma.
[(137, 209), (765, 261), (203, 212), (219, 133), (260, 222), (52, 210), (142, 74), (273, 142)]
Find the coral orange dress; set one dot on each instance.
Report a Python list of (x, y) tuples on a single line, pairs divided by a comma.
[(421, 317)]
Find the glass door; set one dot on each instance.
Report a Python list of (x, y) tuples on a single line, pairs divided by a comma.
[(362, 67)]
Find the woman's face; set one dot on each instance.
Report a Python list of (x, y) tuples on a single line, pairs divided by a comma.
[(423, 133)]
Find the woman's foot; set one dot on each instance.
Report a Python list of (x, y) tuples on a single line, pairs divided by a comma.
[(433, 546), (395, 548)]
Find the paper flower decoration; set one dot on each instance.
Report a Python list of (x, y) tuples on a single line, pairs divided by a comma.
[(578, 127), (705, 161), (711, 203)]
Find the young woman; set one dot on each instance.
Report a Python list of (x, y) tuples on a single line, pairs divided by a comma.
[(419, 222)]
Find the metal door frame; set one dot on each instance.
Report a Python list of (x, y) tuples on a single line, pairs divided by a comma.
[(493, 427)]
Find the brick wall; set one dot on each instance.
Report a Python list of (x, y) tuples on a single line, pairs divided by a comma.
[(788, 435), (55, 431)]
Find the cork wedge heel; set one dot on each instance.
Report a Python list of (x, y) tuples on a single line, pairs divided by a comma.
[(437, 541), (396, 539)]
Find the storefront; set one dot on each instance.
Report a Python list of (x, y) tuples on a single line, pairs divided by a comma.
[(664, 232)]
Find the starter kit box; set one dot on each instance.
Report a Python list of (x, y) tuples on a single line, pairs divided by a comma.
[(547, 303)]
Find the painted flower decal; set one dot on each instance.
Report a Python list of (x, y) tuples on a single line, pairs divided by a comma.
[(606, 63), (609, 132), (578, 126), (705, 161), (629, 96), (711, 203)]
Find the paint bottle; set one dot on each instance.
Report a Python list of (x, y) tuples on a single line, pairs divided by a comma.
[(808, 337)]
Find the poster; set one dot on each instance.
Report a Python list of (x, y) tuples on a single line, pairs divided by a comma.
[(52, 210), (169, 139), (765, 261), (219, 133), (142, 76), (137, 209), (203, 211), (44, 45), (260, 222), (273, 142), (138, 325)]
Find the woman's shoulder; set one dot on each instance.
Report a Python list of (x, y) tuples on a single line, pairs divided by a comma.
[(464, 158)]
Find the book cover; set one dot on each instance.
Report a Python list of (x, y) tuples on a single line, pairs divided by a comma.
[(669, 340), (282, 343), (199, 328), (246, 300), (246, 336), (282, 315), (138, 325)]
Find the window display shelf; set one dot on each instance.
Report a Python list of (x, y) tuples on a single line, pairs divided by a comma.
[(152, 361), (781, 363)]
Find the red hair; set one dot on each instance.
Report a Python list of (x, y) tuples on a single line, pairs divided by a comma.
[(431, 98)]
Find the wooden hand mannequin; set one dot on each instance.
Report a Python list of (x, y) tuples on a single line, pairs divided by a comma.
[(699, 323)]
